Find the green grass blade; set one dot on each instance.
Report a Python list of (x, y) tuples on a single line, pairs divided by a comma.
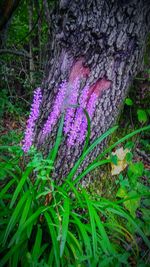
[(74, 246), (53, 237), (81, 227), (25, 211), (5, 189), (92, 146), (29, 222), (42, 250), (92, 222), (15, 259), (107, 245), (52, 155), (89, 169), (51, 258), (9, 254), (146, 128), (116, 209), (75, 191), (20, 185), (10, 147), (15, 216), (87, 139), (37, 245), (123, 214), (65, 223)]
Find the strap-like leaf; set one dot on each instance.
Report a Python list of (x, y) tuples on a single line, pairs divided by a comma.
[(53, 236), (65, 223)]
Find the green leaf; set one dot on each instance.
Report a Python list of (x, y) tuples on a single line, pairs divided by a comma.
[(90, 168), (132, 204), (129, 145), (74, 245), (142, 116), (84, 235), (122, 193), (52, 155), (119, 211), (37, 245), (114, 159), (53, 237), (76, 192), (105, 242), (129, 157), (9, 254), (92, 223), (87, 139), (25, 211), (128, 102), (5, 189), (143, 189), (88, 150), (29, 222), (65, 223), (15, 259), (15, 216), (145, 214), (51, 257), (146, 128), (20, 185), (136, 168)]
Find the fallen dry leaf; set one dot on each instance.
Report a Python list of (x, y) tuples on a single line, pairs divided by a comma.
[(122, 163)]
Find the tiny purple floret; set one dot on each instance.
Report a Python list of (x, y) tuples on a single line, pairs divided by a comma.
[(57, 108), (76, 124), (90, 109), (34, 114), (70, 111)]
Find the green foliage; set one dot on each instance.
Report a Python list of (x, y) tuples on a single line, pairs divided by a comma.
[(128, 102), (132, 191), (47, 224), (7, 106), (142, 115), (44, 223)]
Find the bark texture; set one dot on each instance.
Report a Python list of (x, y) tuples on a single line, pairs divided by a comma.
[(98, 41), (7, 8)]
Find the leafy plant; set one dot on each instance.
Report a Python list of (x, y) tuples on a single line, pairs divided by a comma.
[(142, 115), (46, 224)]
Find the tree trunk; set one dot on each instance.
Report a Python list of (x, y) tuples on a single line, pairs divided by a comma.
[(31, 60), (101, 43), (7, 8)]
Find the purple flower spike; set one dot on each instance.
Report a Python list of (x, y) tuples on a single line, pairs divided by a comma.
[(91, 105), (56, 109), (90, 109), (34, 114), (75, 127), (84, 97), (72, 100)]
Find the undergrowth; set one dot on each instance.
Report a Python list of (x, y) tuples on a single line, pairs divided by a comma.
[(47, 224)]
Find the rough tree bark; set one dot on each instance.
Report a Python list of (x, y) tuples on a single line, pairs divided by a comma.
[(101, 42), (7, 9), (31, 60)]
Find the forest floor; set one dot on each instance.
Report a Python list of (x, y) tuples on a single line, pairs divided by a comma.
[(133, 177)]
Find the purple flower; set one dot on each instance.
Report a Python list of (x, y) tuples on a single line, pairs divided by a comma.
[(90, 109), (75, 126), (34, 114), (91, 105), (57, 108), (84, 97), (70, 111)]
